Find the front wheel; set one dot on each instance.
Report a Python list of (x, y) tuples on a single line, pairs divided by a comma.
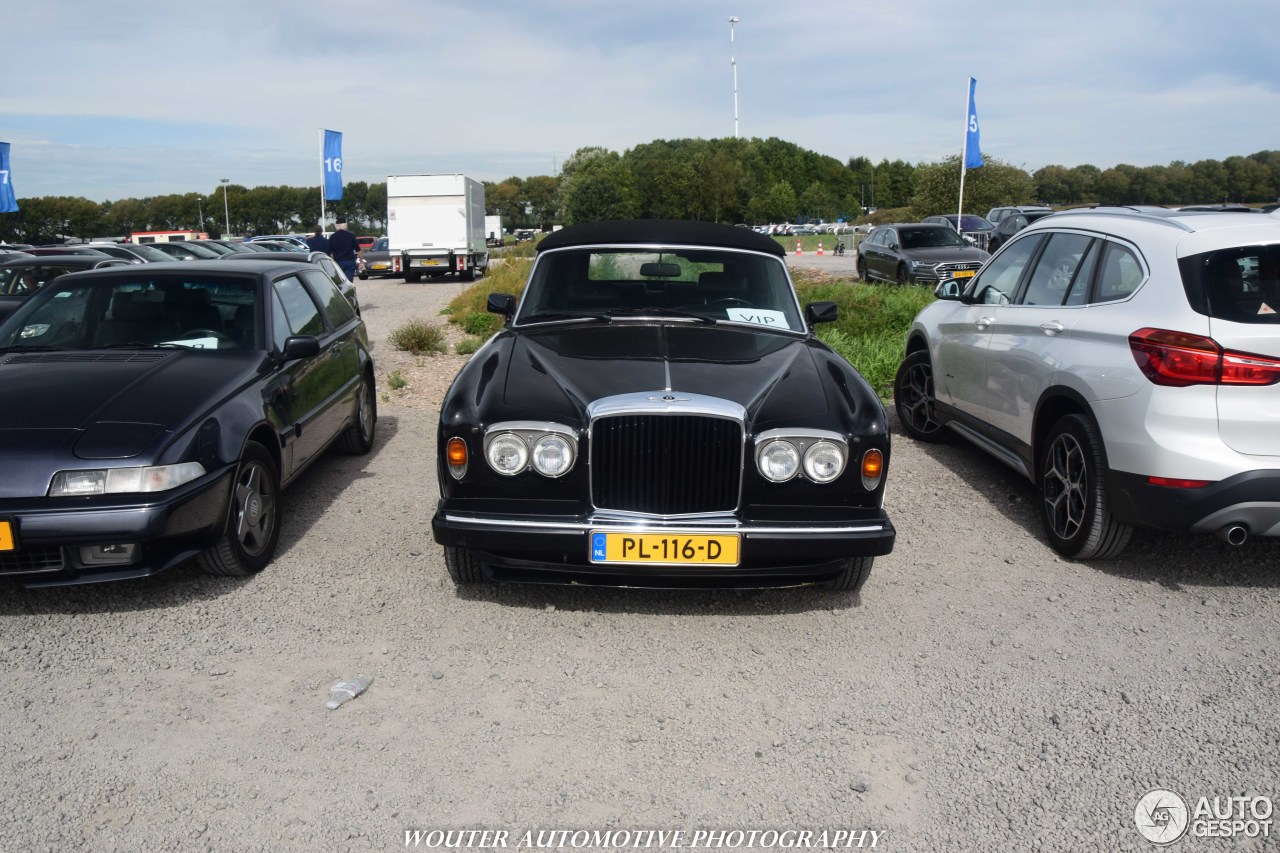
[(252, 528), (904, 274), (1073, 491), (463, 566), (852, 576), (914, 400), (862, 269)]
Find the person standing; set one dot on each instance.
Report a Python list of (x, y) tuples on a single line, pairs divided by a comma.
[(344, 248), (317, 242)]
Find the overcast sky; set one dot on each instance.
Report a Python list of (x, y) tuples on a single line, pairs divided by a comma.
[(133, 98)]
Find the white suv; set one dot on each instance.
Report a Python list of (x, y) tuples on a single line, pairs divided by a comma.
[(1126, 361)]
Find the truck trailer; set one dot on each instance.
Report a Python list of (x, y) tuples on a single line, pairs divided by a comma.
[(435, 226), (493, 231)]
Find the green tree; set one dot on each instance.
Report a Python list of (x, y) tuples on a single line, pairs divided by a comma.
[(937, 187), (595, 185)]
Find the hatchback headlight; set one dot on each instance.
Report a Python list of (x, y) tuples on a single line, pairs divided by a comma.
[(113, 481)]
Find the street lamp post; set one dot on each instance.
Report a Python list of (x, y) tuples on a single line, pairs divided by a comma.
[(733, 62), (200, 214), (226, 211)]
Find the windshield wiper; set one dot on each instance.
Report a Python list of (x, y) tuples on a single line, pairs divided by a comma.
[(140, 345), (30, 348), (663, 312), (562, 316)]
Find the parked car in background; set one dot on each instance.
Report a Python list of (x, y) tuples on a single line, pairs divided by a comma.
[(134, 253), (636, 431), (974, 228), (1125, 361), (916, 253), (73, 249), (1010, 220), (378, 260), (524, 235), (221, 247), (153, 414), (185, 250), (365, 242), (22, 276), (8, 254), (280, 246), (326, 264), (300, 242)]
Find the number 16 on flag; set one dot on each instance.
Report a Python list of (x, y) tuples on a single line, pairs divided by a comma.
[(332, 165)]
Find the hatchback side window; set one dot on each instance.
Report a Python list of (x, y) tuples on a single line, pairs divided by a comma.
[(1056, 271), (299, 311), (996, 284), (335, 304), (1120, 275)]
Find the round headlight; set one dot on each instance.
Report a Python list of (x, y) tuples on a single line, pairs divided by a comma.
[(823, 461), (508, 454), (778, 461), (552, 455)]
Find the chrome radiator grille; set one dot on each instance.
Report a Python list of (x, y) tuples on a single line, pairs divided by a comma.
[(666, 464)]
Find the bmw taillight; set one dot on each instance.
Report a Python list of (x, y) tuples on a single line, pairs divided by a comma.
[(1179, 359)]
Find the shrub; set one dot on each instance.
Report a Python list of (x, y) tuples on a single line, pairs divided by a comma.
[(396, 380), (466, 346), (481, 325), (418, 337)]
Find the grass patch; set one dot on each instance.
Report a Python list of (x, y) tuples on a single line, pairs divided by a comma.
[(481, 325), (396, 380), (503, 278), (467, 346), (419, 338)]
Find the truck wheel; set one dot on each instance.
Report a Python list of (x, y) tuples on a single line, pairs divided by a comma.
[(413, 277), (469, 274)]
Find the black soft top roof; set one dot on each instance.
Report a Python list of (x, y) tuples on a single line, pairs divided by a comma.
[(667, 232)]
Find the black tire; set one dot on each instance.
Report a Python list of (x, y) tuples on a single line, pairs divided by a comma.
[(463, 566), (914, 400), (853, 575), (904, 275), (364, 276), (252, 529), (1073, 491), (357, 439), (861, 266), (413, 277), (469, 274)]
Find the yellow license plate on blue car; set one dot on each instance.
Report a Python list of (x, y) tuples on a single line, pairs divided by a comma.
[(664, 549)]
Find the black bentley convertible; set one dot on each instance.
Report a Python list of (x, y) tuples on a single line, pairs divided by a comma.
[(152, 413), (657, 411)]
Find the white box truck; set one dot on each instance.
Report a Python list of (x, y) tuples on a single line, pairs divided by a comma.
[(435, 226), (493, 230)]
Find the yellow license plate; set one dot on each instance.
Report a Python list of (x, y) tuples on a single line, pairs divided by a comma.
[(962, 274), (7, 541), (429, 263), (664, 549), (378, 266)]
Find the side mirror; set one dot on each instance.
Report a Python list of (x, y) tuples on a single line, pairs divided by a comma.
[(949, 289), (501, 303), (301, 346), (821, 312)]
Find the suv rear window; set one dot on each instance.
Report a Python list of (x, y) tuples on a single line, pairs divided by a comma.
[(1241, 284)]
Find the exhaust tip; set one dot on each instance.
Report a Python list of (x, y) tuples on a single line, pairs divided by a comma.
[(1234, 534)]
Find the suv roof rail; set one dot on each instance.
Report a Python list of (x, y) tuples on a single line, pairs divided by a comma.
[(1151, 213)]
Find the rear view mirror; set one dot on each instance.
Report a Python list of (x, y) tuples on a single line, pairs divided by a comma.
[(821, 312), (949, 289), (501, 303), (659, 270)]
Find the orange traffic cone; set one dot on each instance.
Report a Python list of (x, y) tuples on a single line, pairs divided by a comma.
[(819, 247), (798, 252)]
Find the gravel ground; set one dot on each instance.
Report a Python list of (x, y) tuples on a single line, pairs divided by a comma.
[(980, 694)]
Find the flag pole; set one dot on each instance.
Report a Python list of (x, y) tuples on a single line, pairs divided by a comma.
[(964, 157), (321, 223)]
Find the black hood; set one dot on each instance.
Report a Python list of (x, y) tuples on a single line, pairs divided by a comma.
[(59, 409), (560, 371)]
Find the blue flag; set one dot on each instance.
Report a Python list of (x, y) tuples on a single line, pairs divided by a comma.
[(332, 165), (8, 202), (972, 147)]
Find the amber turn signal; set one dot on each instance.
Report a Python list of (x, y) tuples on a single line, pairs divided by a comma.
[(872, 468), (456, 454)]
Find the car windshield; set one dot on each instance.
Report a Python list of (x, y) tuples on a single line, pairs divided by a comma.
[(930, 237), (137, 311), (685, 284)]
